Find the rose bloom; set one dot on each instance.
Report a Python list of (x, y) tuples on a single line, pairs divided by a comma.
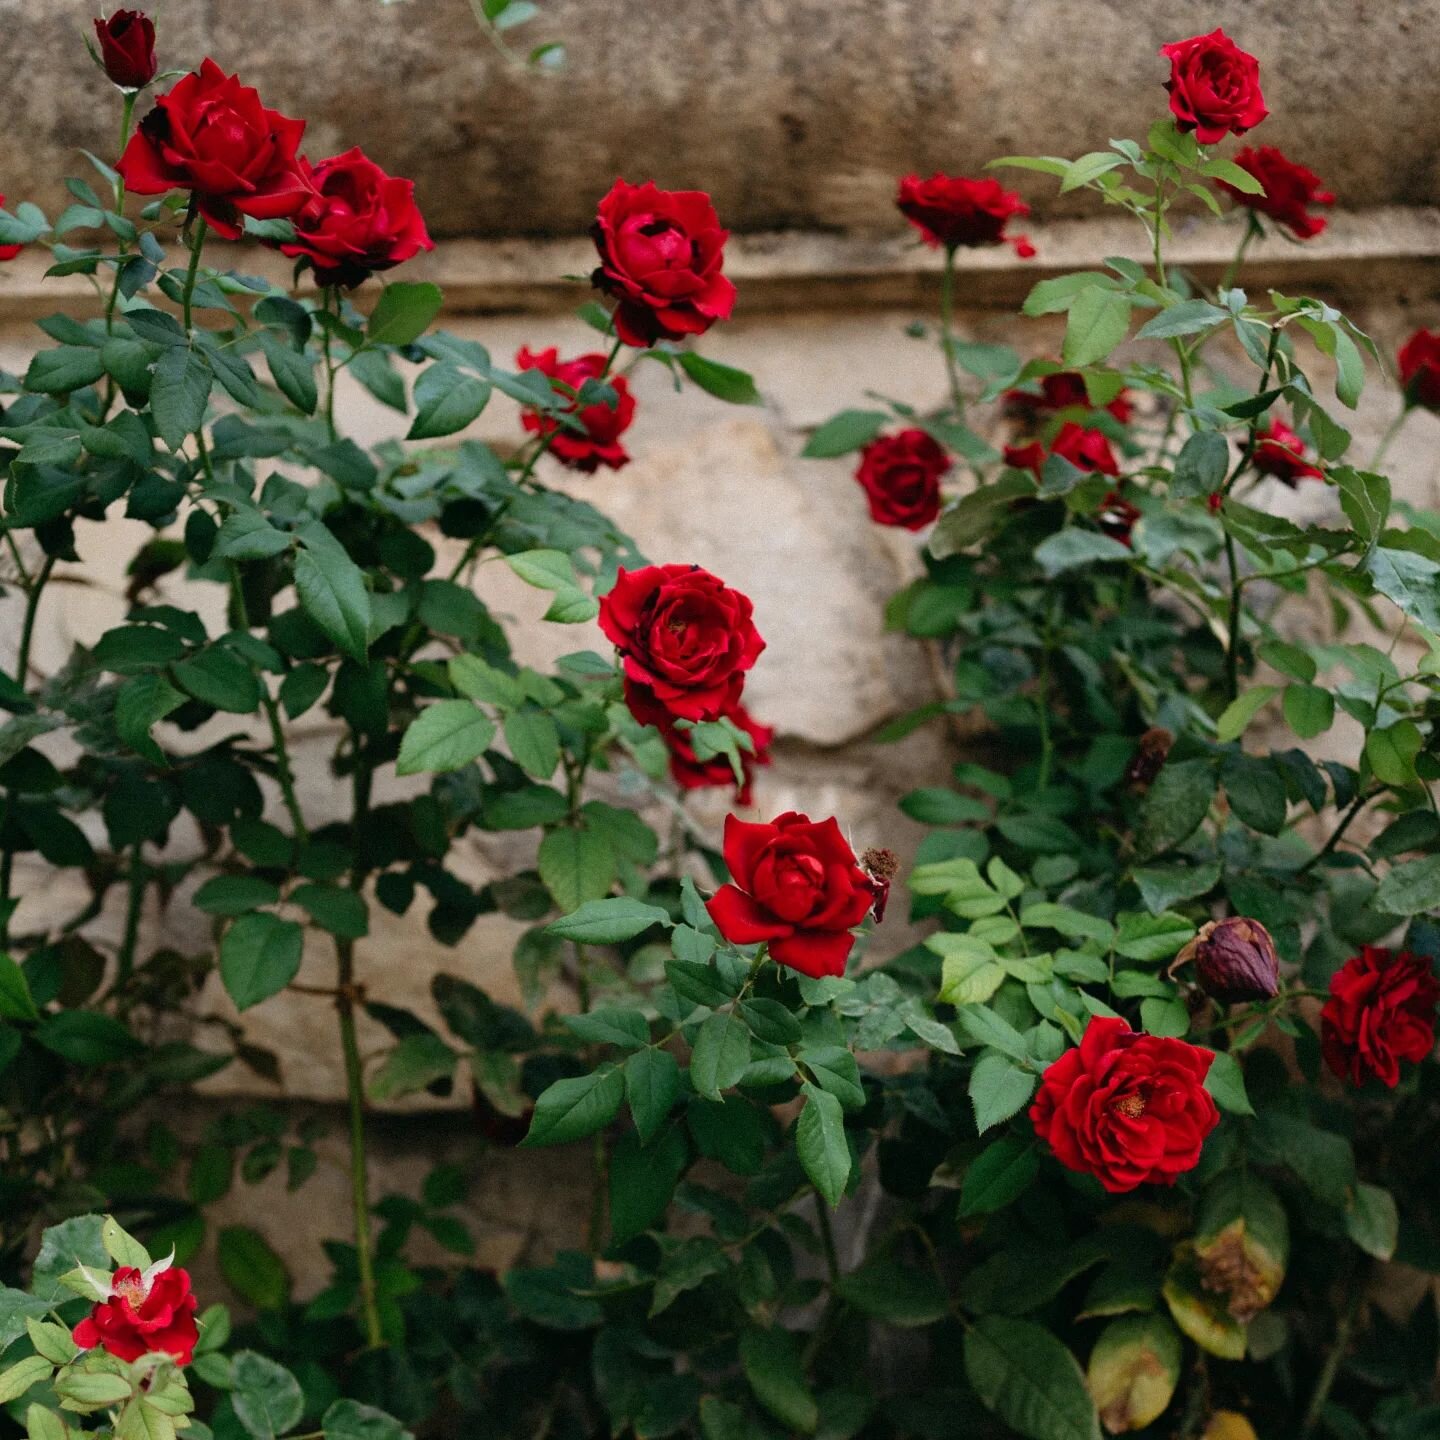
[(1419, 362), (687, 770), (211, 135), (127, 48), (1087, 450), (661, 256), (143, 1317), (358, 220), (795, 885), (1281, 452), (1126, 1108), (949, 211), (1289, 190), (1381, 1011), (900, 475), (684, 635), (1214, 87), (8, 252), (599, 443), (1116, 517), (1062, 390)]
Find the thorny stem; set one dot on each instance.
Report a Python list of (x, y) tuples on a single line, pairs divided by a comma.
[(1356, 806)]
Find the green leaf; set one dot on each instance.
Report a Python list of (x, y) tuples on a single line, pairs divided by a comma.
[(1232, 174), (33, 1369), (534, 742), (985, 1027), (722, 1051), (417, 1061), (179, 393), (609, 1025), (608, 922), (577, 865), (1226, 1084), (350, 1420), (999, 1174), (403, 313), (1029, 1379), (1410, 889), (267, 1398), (1089, 167), (735, 387), (292, 371), (1372, 1221), (999, 1088), (1073, 546), (86, 1037), (821, 1144), (842, 433), (1148, 938), (446, 401), (1242, 710), (342, 912), (1408, 579), (1392, 751), (140, 704), (248, 535), (1365, 499), (772, 1364), (332, 590), (652, 1086), (573, 1108), (1049, 297), (1099, 320), (1201, 466), (259, 957), (1309, 710), (65, 368), (448, 735), (895, 1294), (1186, 318), (1175, 805), (235, 894), (219, 677), (16, 1002), (252, 1268), (1163, 886), (544, 569)]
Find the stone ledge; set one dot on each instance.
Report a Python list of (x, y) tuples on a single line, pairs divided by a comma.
[(1393, 251)]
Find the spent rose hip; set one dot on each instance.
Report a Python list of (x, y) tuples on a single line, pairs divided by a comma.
[(662, 256), (598, 443), (796, 886)]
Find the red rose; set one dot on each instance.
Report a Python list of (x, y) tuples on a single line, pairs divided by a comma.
[(356, 221), (127, 48), (1062, 390), (687, 770), (900, 475), (599, 443), (1087, 450), (795, 885), (8, 252), (1281, 453), (1289, 190), (1126, 1108), (950, 210), (684, 635), (143, 1317), (212, 136), (661, 254), (1419, 361), (1214, 87), (1381, 1011), (1116, 517)]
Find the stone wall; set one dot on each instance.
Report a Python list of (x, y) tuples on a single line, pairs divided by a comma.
[(795, 113)]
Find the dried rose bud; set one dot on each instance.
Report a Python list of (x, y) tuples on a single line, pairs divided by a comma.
[(1155, 746), (1235, 960), (880, 867)]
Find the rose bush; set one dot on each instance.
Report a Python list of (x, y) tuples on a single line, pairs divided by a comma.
[(1114, 1146)]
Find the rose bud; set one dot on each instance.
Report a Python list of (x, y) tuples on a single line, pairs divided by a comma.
[(127, 48), (880, 866), (1149, 759), (1235, 960)]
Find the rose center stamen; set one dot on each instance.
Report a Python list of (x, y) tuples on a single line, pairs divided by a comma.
[(1132, 1105)]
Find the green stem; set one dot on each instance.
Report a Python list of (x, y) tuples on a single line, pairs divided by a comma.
[(1330, 1371), (195, 239), (1157, 228), (947, 330), (22, 667), (1388, 438), (1356, 806), (1232, 637), (1252, 230), (125, 119), (827, 1240), (283, 771), (125, 961), (329, 298)]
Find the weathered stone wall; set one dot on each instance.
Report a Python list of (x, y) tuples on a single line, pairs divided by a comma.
[(794, 113)]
